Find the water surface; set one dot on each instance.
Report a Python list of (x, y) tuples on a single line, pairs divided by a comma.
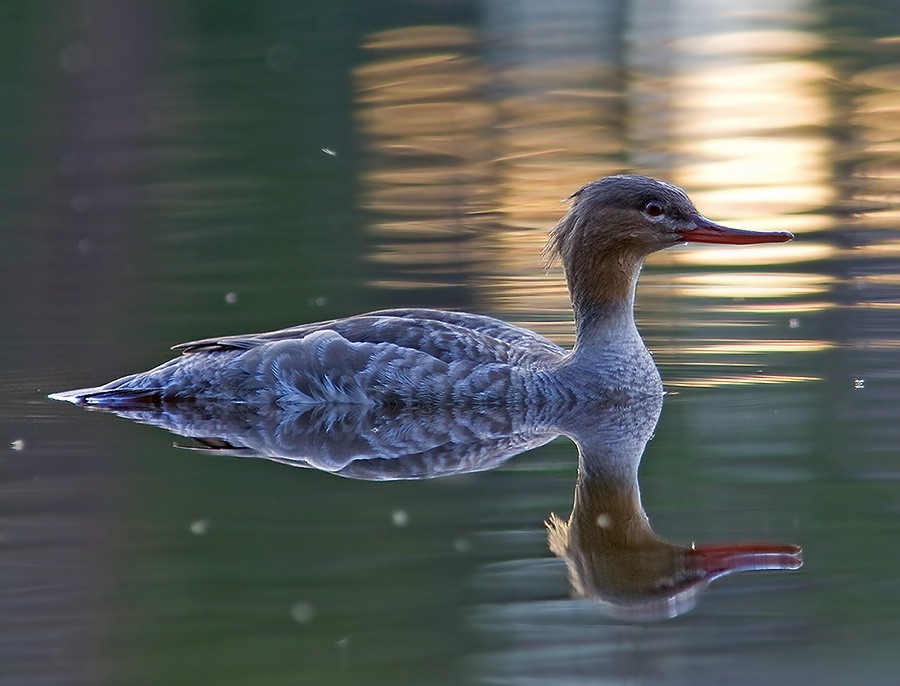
[(179, 171)]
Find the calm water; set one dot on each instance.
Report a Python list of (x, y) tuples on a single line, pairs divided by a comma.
[(179, 170)]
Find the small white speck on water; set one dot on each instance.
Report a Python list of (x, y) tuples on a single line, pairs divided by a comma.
[(400, 518), (343, 648), (18, 444), (199, 527), (462, 545), (329, 151), (604, 520), (231, 297), (859, 384), (85, 245), (794, 323), (303, 612), (321, 301)]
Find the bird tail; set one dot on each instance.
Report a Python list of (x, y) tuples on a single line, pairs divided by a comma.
[(112, 398)]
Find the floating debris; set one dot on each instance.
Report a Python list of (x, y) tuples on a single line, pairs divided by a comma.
[(199, 527), (303, 612), (400, 517), (343, 647)]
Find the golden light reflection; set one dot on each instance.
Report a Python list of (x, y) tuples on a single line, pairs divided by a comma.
[(881, 306), (872, 344), (887, 246), (876, 179), (739, 380), (789, 307), (747, 43), (889, 279), (558, 78), (423, 117), (739, 347), (877, 119), (472, 159), (746, 285), (746, 128), (749, 255), (476, 136), (754, 139)]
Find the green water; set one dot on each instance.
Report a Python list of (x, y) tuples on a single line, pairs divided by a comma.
[(173, 171)]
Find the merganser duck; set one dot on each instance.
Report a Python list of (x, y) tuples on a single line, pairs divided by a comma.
[(430, 357)]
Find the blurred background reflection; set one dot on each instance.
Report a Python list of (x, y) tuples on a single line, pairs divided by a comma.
[(179, 170)]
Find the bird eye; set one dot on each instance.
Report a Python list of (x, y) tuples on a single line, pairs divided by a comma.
[(653, 209)]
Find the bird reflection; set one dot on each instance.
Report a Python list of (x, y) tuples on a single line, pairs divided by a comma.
[(611, 552)]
